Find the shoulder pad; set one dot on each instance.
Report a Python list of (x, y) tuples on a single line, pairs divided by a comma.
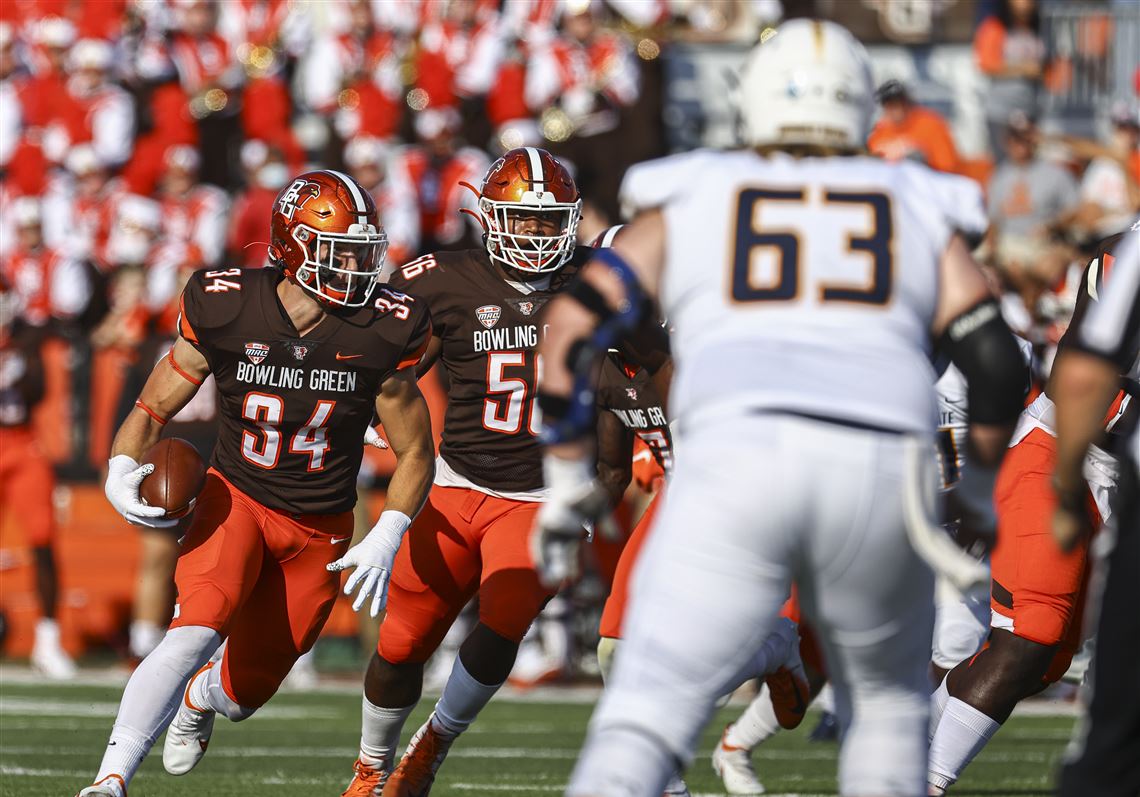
[(657, 182), (213, 298)]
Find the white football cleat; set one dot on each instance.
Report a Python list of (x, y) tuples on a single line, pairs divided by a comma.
[(110, 786), (48, 656), (188, 734), (734, 766), (676, 787)]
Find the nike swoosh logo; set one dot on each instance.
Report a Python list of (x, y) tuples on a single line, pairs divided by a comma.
[(340, 356), (339, 540)]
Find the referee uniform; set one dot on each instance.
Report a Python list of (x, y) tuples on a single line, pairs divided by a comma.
[(1104, 759)]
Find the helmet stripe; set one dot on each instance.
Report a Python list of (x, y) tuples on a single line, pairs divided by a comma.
[(536, 173), (357, 197)]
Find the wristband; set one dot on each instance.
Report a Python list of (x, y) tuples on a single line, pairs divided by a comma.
[(394, 521)]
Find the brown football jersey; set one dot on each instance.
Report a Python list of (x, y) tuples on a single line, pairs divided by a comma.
[(490, 332), (293, 409), (629, 393)]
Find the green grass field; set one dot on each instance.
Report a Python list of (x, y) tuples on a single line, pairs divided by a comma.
[(51, 739)]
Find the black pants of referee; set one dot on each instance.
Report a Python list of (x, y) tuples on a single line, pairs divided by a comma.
[(1104, 759)]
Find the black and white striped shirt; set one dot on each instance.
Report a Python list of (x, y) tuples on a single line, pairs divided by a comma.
[(1112, 327)]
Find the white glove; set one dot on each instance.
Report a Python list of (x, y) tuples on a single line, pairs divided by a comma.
[(373, 557), (576, 503), (124, 476), (373, 438)]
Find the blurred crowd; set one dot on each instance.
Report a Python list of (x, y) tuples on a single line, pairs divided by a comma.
[(141, 140)]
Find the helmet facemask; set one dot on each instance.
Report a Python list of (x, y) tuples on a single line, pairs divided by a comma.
[(341, 268), (531, 252)]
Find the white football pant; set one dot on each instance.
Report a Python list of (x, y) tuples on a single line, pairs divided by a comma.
[(757, 501)]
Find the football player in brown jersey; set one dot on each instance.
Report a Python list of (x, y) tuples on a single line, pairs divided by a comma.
[(302, 355), (472, 536)]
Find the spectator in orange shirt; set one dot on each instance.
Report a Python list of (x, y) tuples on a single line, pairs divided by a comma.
[(908, 130), (1010, 51)]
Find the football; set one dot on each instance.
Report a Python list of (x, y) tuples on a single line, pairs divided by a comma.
[(179, 475)]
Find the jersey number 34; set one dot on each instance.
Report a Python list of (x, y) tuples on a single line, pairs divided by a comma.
[(753, 238)]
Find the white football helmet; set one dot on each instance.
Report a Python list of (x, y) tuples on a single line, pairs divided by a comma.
[(808, 83)]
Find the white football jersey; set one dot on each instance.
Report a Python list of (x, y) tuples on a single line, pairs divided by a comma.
[(803, 285)]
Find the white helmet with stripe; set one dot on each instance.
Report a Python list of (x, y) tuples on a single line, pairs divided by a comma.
[(326, 236), (530, 183), (808, 83)]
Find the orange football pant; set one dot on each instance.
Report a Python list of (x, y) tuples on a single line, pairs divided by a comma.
[(257, 576), (26, 484), (462, 542), (613, 613), (1037, 589)]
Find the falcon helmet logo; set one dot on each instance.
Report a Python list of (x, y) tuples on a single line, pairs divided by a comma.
[(488, 314), (256, 352), (300, 192), (526, 308), (299, 351), (631, 392)]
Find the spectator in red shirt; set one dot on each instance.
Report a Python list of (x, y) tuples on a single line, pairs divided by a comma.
[(94, 110), (265, 175), (192, 212), (434, 169), (367, 160), (590, 75)]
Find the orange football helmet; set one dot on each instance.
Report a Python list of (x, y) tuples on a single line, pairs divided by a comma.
[(326, 235), (529, 181)]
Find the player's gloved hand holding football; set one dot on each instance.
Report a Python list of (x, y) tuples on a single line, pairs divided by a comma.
[(124, 476), (577, 503), (373, 557)]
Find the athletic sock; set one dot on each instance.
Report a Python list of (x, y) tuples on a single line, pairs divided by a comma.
[(151, 698), (462, 699), (825, 700), (757, 723), (937, 706), (960, 736), (380, 733)]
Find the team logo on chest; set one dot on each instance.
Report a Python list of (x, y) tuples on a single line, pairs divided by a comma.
[(300, 351), (631, 392), (488, 314), (528, 307), (256, 352)]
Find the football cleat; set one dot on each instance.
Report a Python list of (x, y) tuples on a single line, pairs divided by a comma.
[(734, 766), (788, 684), (189, 733), (416, 771), (48, 656), (676, 787), (826, 730), (110, 786), (366, 781)]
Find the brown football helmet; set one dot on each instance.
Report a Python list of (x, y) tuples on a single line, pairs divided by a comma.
[(529, 181), (326, 236)]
